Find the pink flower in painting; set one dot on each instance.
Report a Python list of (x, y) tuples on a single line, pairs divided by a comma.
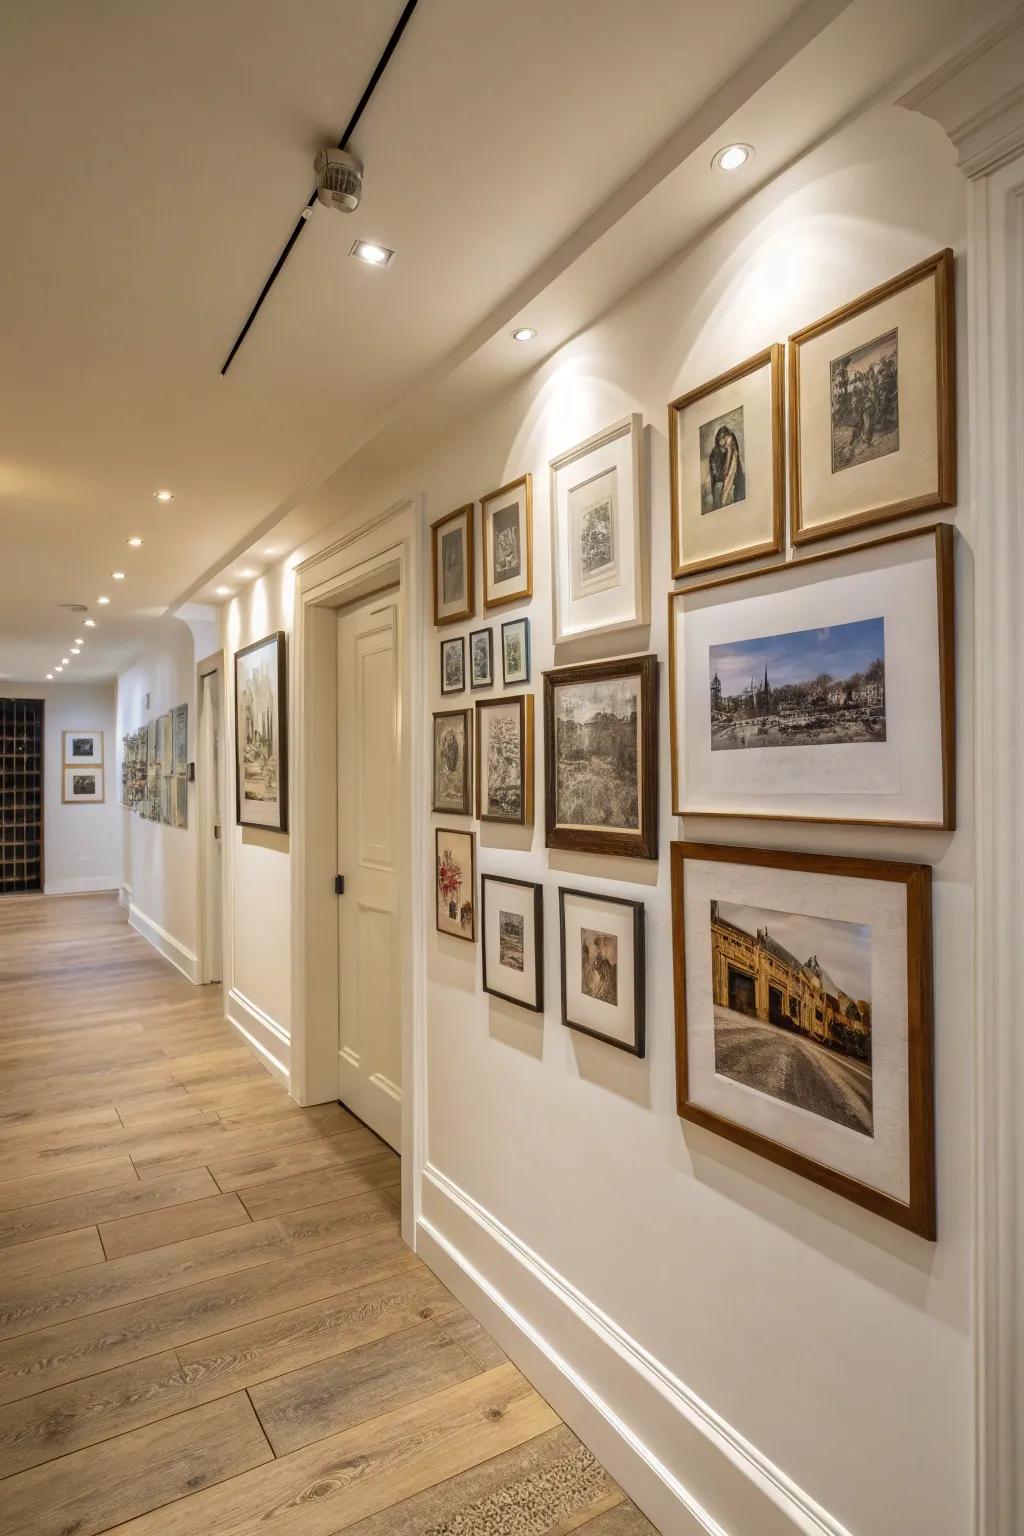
[(449, 876)]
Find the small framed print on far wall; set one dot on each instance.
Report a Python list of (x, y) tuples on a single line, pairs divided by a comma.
[(603, 967), (83, 749), (515, 652), (507, 525), (83, 786), (481, 658), (452, 756), (454, 573), (453, 664), (512, 923)]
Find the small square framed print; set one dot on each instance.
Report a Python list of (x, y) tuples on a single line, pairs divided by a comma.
[(603, 966), (83, 749), (481, 658), (454, 593), (507, 521), (455, 882), (504, 759), (83, 786), (453, 664), (453, 753), (515, 652), (512, 923)]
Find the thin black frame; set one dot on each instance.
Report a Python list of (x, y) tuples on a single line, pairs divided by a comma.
[(639, 1046), (487, 630), (278, 637), (460, 641), (538, 935), (466, 808), (515, 682)]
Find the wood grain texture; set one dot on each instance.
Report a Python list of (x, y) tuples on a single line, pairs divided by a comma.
[(305, 1189), (70, 1181), (24, 1222), (156, 1229), (301, 1157), (51, 1255)]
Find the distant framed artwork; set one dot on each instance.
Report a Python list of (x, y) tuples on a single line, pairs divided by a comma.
[(454, 571), (180, 807), (83, 748), (481, 658), (179, 737), (453, 664), (804, 1016), (601, 757), (599, 537), (515, 652), (504, 759), (872, 406), (455, 883), (603, 967), (512, 924), (507, 527), (83, 786), (821, 690), (261, 734), (727, 467), (453, 754), (166, 742)]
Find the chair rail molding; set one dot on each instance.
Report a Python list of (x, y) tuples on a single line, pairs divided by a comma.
[(977, 96)]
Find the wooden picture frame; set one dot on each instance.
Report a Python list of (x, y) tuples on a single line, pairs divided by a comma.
[(933, 484), (454, 645), (449, 893), (72, 794), (537, 970), (274, 821), (488, 681), (591, 836), (771, 359), (636, 1044), (73, 744), (519, 493), (465, 805), (521, 704), (917, 1211), (454, 611)]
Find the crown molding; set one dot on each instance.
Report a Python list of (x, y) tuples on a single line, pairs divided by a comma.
[(977, 96)]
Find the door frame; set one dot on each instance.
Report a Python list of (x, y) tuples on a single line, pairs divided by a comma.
[(386, 551), (209, 664)]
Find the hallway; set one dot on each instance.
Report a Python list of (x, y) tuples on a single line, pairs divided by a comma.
[(209, 1321)]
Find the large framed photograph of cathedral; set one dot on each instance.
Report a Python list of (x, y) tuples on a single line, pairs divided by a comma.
[(804, 1017), (821, 690), (261, 734)]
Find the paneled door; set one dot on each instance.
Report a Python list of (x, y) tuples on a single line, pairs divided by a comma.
[(369, 861)]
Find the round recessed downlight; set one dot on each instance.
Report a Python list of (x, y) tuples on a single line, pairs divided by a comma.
[(75, 651), (247, 574), (732, 156), (523, 333), (58, 669), (90, 623), (79, 640), (117, 575), (65, 662), (223, 591), (49, 677), (163, 495), (103, 599), (134, 543)]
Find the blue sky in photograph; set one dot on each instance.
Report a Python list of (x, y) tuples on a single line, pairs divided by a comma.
[(798, 656)]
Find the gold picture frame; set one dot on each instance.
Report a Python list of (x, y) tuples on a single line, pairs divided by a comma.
[(517, 538)]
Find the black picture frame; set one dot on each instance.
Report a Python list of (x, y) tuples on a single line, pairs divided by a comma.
[(538, 930), (489, 632), (638, 1045), (279, 639), (513, 682), (453, 640)]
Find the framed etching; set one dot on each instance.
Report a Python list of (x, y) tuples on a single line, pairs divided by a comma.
[(453, 664), (180, 801), (599, 542), (727, 467), (804, 1017), (507, 525), (504, 759), (455, 883), (82, 786), (179, 735), (515, 652), (261, 734), (82, 749), (872, 406), (166, 743), (822, 690), (603, 965), (601, 757), (454, 573), (453, 753), (481, 658), (512, 924)]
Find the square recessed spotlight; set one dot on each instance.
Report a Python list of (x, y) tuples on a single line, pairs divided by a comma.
[(373, 254), (163, 495), (117, 575), (135, 543)]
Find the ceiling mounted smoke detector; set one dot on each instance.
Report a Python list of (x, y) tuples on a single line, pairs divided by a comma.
[(339, 179)]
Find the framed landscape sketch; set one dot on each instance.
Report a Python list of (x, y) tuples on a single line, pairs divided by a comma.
[(599, 535), (261, 734), (507, 525), (455, 882), (804, 1016), (512, 923), (504, 759), (601, 757), (83, 749), (179, 735), (180, 800), (453, 748), (603, 966), (453, 664), (822, 690), (454, 571), (166, 743), (872, 406), (727, 467), (481, 658), (515, 652), (83, 786)]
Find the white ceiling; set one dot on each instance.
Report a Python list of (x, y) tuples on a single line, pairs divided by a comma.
[(158, 156)]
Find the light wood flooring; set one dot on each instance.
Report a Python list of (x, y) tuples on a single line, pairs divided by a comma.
[(209, 1323)]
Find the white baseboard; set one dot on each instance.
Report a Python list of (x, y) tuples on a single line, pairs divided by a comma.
[(689, 1471), (81, 885), (269, 1039), (165, 943)]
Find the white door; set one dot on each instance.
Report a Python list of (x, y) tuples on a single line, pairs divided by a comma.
[(209, 823), (370, 856)]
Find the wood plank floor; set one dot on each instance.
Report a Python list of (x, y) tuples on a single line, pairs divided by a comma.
[(208, 1319)]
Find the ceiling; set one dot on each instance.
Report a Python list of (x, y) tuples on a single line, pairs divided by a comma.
[(516, 152)]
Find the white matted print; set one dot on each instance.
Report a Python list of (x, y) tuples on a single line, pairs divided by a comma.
[(455, 883), (820, 690), (603, 965), (599, 535), (83, 748), (452, 552), (507, 527), (83, 786), (513, 940)]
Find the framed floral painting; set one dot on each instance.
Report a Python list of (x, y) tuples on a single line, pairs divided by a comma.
[(455, 883)]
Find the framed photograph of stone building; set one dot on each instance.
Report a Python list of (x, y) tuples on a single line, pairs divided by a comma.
[(504, 759), (512, 924), (454, 571), (507, 527), (804, 1016), (603, 967)]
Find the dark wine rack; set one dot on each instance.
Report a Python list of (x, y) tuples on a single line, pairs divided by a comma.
[(21, 795)]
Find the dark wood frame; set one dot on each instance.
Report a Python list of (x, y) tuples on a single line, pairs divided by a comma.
[(642, 844), (435, 538), (639, 1046), (919, 1213), (518, 682), (526, 481), (771, 358), (538, 932), (525, 703), (942, 267), (488, 630), (439, 832), (459, 640), (466, 809), (944, 535), (282, 705)]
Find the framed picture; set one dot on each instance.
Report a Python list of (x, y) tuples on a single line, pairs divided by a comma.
[(872, 406), (603, 964), (82, 749), (167, 800), (453, 664), (166, 742), (454, 571), (180, 807), (512, 923), (599, 543), (507, 525), (453, 753), (83, 786), (481, 658), (179, 736), (455, 882), (821, 690), (504, 759), (804, 1016), (727, 467), (515, 652), (261, 734), (601, 757)]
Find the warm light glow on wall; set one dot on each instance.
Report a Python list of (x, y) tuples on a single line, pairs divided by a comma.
[(259, 610)]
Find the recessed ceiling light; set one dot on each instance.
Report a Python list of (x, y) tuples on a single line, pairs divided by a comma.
[(79, 640), (58, 669), (223, 591), (90, 623), (49, 677), (523, 333), (103, 599), (117, 575), (65, 662), (369, 251), (75, 651), (163, 495), (247, 574), (732, 156), (270, 552), (134, 543)]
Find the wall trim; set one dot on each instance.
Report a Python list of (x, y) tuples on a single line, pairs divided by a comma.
[(81, 885), (269, 1039), (403, 504), (165, 943)]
